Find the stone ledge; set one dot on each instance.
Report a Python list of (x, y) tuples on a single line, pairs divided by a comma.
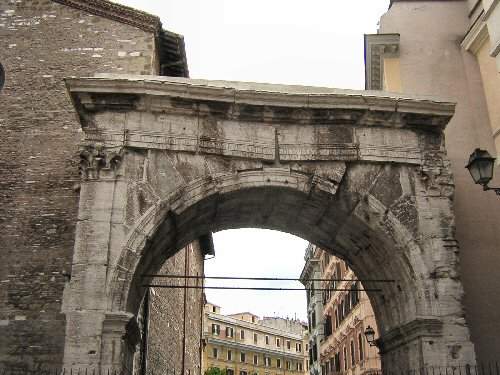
[(258, 94)]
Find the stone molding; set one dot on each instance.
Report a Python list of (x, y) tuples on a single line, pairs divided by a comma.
[(115, 323), (378, 46), (84, 91), (476, 36), (405, 333)]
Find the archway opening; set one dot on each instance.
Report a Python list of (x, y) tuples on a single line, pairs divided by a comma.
[(255, 317), (349, 226)]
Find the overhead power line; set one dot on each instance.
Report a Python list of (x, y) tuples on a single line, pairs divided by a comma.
[(261, 278), (256, 288)]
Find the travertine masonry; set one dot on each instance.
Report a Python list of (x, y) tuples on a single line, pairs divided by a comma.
[(360, 174)]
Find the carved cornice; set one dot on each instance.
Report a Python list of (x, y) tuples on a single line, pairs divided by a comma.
[(378, 46), (331, 105), (117, 12)]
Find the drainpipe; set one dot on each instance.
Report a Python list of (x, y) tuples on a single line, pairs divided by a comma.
[(186, 267), (202, 315), (145, 337)]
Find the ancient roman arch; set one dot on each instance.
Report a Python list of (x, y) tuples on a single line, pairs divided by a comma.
[(362, 174)]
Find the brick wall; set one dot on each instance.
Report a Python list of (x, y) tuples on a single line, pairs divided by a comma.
[(41, 42), (167, 316)]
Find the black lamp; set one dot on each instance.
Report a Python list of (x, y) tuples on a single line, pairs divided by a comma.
[(480, 166), (370, 336)]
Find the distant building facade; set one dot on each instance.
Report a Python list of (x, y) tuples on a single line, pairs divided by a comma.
[(344, 315), (451, 50), (315, 319), (243, 344)]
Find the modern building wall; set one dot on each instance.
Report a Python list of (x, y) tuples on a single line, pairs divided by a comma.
[(443, 51), (244, 345), (41, 43)]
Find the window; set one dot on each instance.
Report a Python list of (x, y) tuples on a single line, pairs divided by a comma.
[(288, 365), (328, 325), (288, 344), (242, 335), (299, 366), (311, 356), (229, 371), (243, 372), (278, 363), (215, 329), (298, 347), (253, 319), (255, 338), (345, 359), (315, 352), (327, 367), (313, 319), (360, 346), (229, 355), (214, 309), (242, 357), (353, 359), (229, 331), (278, 342), (267, 361), (255, 359), (215, 353), (267, 340), (307, 347), (337, 362)]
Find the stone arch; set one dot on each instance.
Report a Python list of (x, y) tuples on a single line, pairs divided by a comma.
[(161, 217), (362, 176)]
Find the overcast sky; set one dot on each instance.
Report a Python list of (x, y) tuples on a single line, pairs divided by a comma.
[(313, 42)]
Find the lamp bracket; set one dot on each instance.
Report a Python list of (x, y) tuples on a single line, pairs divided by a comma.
[(495, 189)]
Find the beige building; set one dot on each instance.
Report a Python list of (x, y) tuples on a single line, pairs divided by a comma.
[(450, 49), (243, 344), (345, 313)]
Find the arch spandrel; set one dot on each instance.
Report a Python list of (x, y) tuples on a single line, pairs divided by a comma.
[(360, 174)]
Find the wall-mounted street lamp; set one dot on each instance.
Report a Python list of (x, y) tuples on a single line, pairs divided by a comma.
[(370, 336), (480, 167)]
